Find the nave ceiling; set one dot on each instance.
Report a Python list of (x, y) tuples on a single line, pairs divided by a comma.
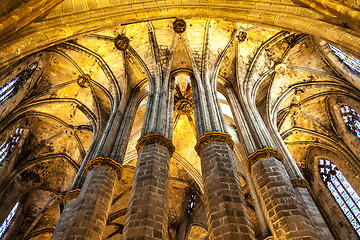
[(81, 80)]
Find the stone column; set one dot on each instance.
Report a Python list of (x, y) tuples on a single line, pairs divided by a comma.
[(147, 210), (226, 209), (85, 217), (283, 207), (249, 144), (92, 207), (288, 218), (301, 186), (146, 216), (303, 189)]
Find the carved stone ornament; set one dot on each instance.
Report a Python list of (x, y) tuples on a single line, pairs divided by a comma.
[(262, 154), (213, 136), (155, 138), (299, 183), (105, 163), (280, 68), (241, 36), (184, 107), (84, 80), (179, 26), (70, 195), (121, 42)]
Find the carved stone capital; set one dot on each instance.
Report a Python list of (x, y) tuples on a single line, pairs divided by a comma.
[(299, 183), (155, 138), (262, 154), (213, 136), (105, 163), (70, 195)]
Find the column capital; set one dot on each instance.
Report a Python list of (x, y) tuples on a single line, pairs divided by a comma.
[(212, 137), (71, 195), (155, 138), (106, 163), (262, 154), (300, 183)]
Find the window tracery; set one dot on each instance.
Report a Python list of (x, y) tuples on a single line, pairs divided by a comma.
[(191, 204), (350, 61), (11, 87), (8, 146), (8, 219), (342, 191), (351, 119)]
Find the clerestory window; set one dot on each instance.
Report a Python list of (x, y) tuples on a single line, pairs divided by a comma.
[(350, 61), (8, 146), (351, 119), (11, 87), (8, 219), (342, 191), (191, 204)]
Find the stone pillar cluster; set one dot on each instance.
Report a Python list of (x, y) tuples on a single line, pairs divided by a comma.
[(282, 203), (226, 209), (289, 211), (88, 204), (147, 210)]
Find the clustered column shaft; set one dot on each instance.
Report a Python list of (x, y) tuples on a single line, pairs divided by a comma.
[(226, 209), (86, 212), (287, 214), (147, 210)]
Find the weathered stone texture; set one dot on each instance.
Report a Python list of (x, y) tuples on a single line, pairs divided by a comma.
[(147, 210), (314, 212), (288, 217), (60, 226), (91, 209), (227, 213)]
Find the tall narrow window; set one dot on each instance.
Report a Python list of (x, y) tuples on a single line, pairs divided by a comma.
[(342, 191), (191, 204), (8, 146), (351, 119), (348, 60), (8, 219), (11, 87)]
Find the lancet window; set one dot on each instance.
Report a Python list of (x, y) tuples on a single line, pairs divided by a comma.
[(12, 86), (8, 146), (351, 119), (8, 219), (191, 204), (348, 60), (342, 191)]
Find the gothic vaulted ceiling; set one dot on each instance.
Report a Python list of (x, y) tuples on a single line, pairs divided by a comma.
[(64, 112)]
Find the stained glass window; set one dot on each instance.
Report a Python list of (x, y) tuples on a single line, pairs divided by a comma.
[(348, 60), (191, 204), (8, 146), (12, 86), (342, 191), (7, 221), (351, 119)]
